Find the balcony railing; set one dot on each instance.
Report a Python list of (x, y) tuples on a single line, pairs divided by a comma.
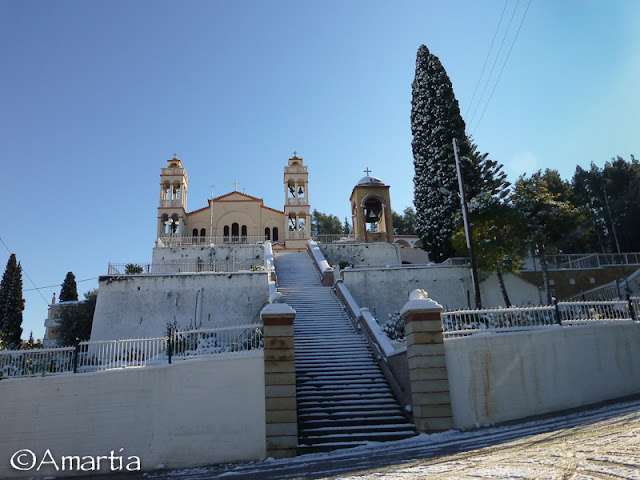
[(295, 169), (171, 203), (219, 266), (172, 171), (582, 261), (297, 201), (173, 240)]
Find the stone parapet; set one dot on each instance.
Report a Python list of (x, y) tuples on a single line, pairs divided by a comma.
[(280, 380)]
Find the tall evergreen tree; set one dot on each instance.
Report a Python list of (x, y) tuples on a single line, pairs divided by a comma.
[(11, 304), (435, 122), (69, 290), (77, 320)]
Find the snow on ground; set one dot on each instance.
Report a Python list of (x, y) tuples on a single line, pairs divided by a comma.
[(591, 444)]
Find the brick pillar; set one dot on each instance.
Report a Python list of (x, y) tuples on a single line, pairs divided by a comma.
[(427, 364), (280, 380)]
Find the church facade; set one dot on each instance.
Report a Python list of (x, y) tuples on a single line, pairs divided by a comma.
[(234, 218)]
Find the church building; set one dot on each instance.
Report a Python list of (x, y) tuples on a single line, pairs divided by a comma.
[(234, 218)]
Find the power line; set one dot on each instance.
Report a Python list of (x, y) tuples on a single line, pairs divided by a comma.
[(25, 272), (502, 69), (495, 61), (487, 58), (57, 285)]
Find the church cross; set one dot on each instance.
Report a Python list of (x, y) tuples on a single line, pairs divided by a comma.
[(235, 184), (295, 154), (367, 171), (212, 191)]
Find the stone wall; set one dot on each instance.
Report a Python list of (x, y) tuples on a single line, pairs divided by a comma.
[(224, 255)]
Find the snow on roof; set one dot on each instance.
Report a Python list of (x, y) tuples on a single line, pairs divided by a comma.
[(369, 179)]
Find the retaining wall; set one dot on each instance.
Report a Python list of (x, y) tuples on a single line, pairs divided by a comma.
[(191, 413)]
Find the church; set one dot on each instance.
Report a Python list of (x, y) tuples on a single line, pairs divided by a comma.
[(234, 218)]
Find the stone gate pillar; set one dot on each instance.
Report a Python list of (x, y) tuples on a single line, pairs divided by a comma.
[(280, 380), (430, 395)]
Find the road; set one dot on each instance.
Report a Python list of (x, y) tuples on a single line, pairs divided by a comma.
[(596, 443)]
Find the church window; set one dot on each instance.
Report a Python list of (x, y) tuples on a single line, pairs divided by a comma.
[(226, 233), (194, 235), (235, 232), (203, 233), (275, 234), (267, 233), (244, 234)]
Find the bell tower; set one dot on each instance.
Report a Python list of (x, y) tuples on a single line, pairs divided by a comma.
[(371, 210), (173, 202), (297, 210)]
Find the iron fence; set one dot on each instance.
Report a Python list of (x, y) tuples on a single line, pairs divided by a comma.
[(219, 266), (132, 352), (466, 322)]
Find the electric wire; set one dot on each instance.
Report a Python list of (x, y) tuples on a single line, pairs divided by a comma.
[(487, 58), (57, 285), (25, 272), (495, 61), (502, 69)]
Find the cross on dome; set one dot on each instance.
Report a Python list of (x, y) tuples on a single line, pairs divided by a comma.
[(367, 171)]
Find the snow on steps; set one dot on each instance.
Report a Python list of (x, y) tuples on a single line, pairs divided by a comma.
[(343, 398)]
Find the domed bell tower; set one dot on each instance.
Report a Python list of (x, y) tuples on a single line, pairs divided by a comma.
[(371, 211), (173, 202)]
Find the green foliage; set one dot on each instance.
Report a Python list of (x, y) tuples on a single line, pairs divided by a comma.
[(322, 224), (11, 304), (76, 320), (395, 327), (404, 224), (346, 227), (132, 269), (69, 290)]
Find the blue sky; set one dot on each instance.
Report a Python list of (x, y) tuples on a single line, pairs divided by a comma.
[(96, 96)]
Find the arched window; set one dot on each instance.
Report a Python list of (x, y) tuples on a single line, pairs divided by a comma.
[(235, 232), (244, 234), (203, 233), (226, 234), (194, 235), (267, 234), (275, 234)]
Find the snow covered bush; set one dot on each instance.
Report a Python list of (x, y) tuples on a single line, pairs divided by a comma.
[(394, 327)]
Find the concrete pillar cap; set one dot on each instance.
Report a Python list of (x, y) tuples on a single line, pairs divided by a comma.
[(419, 301), (277, 310)]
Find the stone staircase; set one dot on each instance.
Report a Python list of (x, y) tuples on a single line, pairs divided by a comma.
[(343, 398)]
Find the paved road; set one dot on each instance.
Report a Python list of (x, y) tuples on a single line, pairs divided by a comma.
[(598, 443)]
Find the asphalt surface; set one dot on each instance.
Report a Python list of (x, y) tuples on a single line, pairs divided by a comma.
[(601, 442)]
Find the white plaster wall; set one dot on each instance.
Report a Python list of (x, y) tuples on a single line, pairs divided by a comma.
[(521, 293), (414, 255), (139, 306), (500, 377), (362, 254), (384, 291), (190, 413), (222, 254)]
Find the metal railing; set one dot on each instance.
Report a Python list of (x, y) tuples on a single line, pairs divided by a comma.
[(466, 322), (40, 361), (132, 352), (177, 240), (333, 238), (219, 266), (584, 261)]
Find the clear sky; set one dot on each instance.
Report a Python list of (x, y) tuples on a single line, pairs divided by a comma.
[(96, 96)]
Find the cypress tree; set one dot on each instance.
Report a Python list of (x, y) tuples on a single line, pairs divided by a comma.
[(11, 304), (435, 122), (69, 290)]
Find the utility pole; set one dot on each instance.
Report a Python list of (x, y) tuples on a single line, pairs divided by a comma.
[(615, 237), (467, 228)]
